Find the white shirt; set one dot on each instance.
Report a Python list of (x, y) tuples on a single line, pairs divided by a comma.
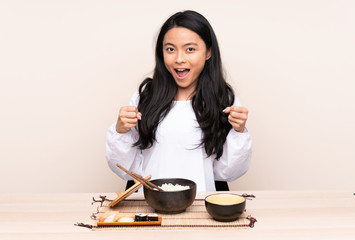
[(176, 153)]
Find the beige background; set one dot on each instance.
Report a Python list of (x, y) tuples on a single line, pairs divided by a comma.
[(67, 66)]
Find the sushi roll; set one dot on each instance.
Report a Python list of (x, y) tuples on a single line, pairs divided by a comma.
[(153, 217), (140, 217)]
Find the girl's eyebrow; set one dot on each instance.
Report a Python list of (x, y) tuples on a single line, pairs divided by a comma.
[(186, 44), (190, 43)]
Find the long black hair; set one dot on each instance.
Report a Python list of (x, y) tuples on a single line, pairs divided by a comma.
[(212, 93)]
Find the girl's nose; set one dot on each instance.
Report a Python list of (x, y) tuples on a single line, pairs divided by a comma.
[(180, 58)]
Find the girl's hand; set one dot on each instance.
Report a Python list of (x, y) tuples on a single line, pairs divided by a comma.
[(127, 118), (238, 116)]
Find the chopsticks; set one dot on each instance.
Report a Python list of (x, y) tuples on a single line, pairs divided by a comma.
[(140, 179), (129, 191)]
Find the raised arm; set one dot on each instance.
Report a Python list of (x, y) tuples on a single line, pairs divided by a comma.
[(237, 149), (120, 138)]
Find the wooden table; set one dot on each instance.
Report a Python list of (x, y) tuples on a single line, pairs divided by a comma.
[(279, 214)]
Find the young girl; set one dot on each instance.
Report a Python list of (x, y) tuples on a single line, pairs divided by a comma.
[(185, 121)]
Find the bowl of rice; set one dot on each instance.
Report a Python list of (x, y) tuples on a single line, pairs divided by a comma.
[(178, 195)]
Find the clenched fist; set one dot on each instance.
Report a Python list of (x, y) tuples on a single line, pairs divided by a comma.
[(127, 118), (238, 116)]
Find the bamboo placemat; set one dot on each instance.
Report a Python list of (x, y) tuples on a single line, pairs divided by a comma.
[(195, 217)]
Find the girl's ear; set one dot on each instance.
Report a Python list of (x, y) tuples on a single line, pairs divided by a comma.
[(208, 54)]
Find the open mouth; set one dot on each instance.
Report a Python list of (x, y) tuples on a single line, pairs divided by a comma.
[(182, 72)]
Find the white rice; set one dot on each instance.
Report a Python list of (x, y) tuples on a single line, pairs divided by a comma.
[(171, 187)]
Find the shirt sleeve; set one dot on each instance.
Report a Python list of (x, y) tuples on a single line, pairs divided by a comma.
[(237, 151), (120, 149)]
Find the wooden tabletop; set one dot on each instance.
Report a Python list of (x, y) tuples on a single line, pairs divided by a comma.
[(279, 214)]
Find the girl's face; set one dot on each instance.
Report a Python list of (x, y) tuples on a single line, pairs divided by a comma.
[(185, 55)]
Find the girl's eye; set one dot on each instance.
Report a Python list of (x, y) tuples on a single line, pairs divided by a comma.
[(190, 49), (169, 49)]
